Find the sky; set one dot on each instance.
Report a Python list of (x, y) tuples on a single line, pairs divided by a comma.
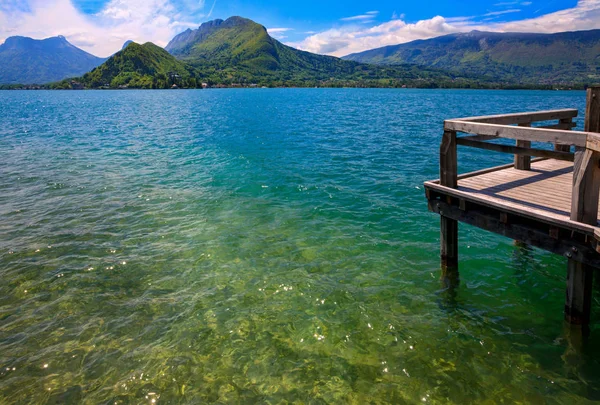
[(332, 27)]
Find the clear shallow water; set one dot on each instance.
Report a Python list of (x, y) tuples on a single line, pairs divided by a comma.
[(252, 246)]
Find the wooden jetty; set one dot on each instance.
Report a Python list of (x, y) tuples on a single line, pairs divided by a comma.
[(550, 201)]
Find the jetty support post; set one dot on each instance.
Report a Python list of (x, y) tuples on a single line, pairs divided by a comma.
[(448, 226), (523, 162), (584, 208)]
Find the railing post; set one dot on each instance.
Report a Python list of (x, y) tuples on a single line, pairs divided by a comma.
[(448, 160), (564, 148), (592, 110), (448, 226), (584, 208), (523, 162)]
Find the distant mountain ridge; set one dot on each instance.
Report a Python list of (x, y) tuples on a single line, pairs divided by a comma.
[(566, 57), (239, 50), (25, 60)]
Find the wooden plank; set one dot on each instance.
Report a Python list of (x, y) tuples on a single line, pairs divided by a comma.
[(523, 151), (586, 186), (555, 240), (523, 118), (448, 160), (487, 170), (593, 142), (556, 136), (514, 208), (490, 170)]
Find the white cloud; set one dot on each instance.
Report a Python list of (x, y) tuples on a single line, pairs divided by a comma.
[(502, 12), (369, 16), (343, 41), (278, 30), (101, 34), (279, 33), (350, 39), (584, 16)]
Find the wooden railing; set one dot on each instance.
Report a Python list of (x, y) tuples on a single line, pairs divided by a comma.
[(582, 148), (586, 155)]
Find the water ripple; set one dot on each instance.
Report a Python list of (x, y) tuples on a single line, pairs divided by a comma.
[(262, 246)]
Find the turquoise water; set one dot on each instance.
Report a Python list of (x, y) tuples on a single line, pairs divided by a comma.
[(264, 246)]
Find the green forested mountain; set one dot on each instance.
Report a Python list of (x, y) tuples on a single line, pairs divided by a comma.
[(27, 61), (138, 66), (562, 58), (240, 51)]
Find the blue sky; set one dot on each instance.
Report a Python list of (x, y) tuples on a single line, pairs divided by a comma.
[(332, 27)]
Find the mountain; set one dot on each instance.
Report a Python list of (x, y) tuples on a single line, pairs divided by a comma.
[(27, 61), (126, 44), (139, 66), (566, 57), (239, 50)]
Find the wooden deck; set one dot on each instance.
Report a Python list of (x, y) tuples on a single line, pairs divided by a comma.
[(543, 191), (551, 202)]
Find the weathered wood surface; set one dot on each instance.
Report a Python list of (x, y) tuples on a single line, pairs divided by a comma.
[(542, 194), (548, 203), (448, 160), (592, 110), (448, 242), (545, 190), (556, 136), (562, 241), (448, 178), (523, 151), (524, 118), (584, 208), (586, 186)]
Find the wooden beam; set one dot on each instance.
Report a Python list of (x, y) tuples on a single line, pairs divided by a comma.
[(592, 110), (556, 136), (448, 160), (578, 304), (586, 186), (448, 227), (519, 228), (448, 243), (557, 221), (523, 162), (516, 150), (523, 118), (584, 208)]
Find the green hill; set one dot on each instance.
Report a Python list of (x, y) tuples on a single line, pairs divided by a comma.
[(241, 51), (553, 59), (139, 66), (28, 61)]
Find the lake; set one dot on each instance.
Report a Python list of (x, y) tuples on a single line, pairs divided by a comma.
[(265, 246)]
